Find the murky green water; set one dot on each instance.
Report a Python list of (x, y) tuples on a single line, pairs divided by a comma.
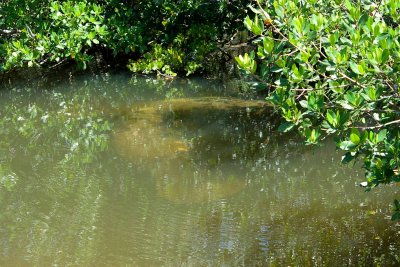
[(110, 170)]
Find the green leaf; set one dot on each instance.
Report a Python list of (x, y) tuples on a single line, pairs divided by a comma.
[(268, 44), (348, 157), (258, 26), (363, 19), (396, 216), (348, 5), (280, 12), (286, 127), (347, 145), (304, 104), (346, 105), (355, 138), (381, 136), (248, 23), (331, 117), (357, 69)]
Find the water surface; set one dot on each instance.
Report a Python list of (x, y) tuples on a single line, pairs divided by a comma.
[(114, 170)]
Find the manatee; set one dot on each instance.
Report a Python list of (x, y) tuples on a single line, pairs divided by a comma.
[(147, 138)]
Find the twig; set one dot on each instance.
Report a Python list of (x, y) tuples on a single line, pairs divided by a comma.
[(58, 64), (352, 80), (378, 126)]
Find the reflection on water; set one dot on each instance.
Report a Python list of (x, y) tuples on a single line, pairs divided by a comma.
[(104, 171)]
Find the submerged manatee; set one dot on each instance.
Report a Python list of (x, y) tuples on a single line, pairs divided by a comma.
[(144, 140), (153, 138), (192, 190)]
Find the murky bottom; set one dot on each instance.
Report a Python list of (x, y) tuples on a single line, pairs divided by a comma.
[(110, 170)]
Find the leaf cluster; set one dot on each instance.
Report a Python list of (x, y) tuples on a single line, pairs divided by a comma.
[(164, 36), (331, 67)]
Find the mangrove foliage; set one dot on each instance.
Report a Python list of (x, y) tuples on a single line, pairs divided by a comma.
[(331, 67)]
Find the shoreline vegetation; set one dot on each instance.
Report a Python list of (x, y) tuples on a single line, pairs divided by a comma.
[(168, 38)]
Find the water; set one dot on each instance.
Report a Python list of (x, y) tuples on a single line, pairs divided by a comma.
[(113, 170)]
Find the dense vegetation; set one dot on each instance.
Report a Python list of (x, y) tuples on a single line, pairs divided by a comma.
[(163, 36), (331, 67)]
